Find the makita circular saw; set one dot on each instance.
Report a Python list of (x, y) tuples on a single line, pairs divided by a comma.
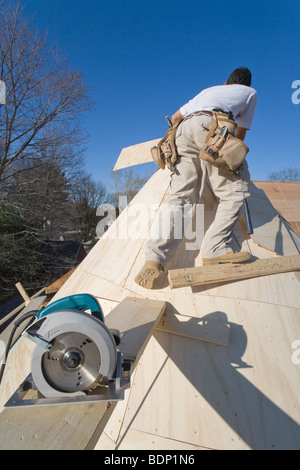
[(75, 357)]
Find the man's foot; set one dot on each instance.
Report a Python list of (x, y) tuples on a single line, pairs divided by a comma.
[(232, 257), (147, 275)]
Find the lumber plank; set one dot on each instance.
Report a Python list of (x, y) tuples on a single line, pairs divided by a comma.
[(77, 427), (232, 272), (131, 317), (23, 293), (56, 285), (135, 155), (191, 327), (34, 304)]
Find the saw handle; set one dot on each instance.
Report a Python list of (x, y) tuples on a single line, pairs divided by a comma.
[(74, 302)]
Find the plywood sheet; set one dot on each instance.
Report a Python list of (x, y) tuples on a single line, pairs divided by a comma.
[(230, 398), (135, 155), (137, 440), (243, 395), (271, 230), (285, 196), (191, 327), (75, 426)]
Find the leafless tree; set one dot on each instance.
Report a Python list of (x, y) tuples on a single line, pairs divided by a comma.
[(42, 196), (35, 208), (41, 144), (87, 195), (126, 183), (45, 100), (286, 174)]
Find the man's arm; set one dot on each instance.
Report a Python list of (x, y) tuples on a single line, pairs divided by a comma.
[(240, 132), (176, 117)]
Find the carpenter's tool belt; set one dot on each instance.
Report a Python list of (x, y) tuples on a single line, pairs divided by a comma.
[(222, 149), (165, 152)]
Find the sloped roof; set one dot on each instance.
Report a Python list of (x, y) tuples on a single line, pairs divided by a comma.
[(285, 197), (190, 394)]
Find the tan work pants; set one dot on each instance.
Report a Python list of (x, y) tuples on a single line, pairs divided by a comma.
[(187, 184)]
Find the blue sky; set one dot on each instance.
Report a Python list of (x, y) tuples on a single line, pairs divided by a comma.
[(142, 60)]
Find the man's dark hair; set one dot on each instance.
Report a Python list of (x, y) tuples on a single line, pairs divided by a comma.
[(240, 76)]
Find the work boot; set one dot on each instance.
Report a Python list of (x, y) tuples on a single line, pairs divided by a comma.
[(147, 275), (232, 257)]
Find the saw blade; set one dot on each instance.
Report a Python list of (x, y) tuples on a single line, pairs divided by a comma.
[(72, 364)]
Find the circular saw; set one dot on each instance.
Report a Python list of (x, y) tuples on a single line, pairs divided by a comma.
[(76, 356)]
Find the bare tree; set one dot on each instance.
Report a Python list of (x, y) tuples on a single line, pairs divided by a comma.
[(286, 174), (42, 103), (42, 196), (87, 195), (45, 99), (35, 208), (126, 183)]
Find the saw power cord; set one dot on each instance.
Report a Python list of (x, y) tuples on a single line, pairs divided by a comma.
[(17, 323)]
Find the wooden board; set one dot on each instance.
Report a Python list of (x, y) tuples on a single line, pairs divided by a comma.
[(242, 396), (56, 285), (285, 197), (136, 440), (135, 319), (14, 312), (79, 426), (23, 293), (232, 272), (34, 304), (195, 328), (271, 230), (135, 155)]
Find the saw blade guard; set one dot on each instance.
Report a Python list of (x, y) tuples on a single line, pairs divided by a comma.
[(75, 302), (75, 350)]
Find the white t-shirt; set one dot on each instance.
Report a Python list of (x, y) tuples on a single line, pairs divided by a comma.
[(239, 99)]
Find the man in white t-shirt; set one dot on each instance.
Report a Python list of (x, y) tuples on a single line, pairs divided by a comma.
[(237, 97)]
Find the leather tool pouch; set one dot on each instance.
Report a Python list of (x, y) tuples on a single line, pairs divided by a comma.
[(222, 149), (233, 152), (165, 152)]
